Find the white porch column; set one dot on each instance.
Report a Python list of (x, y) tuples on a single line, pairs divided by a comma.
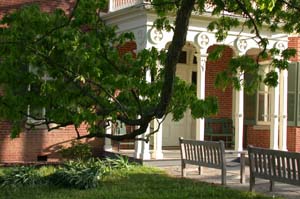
[(201, 68), (157, 149), (107, 141), (274, 116), (137, 147), (145, 153), (110, 5), (239, 117), (241, 45), (283, 110)]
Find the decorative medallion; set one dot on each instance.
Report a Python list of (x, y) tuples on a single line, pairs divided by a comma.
[(280, 45), (155, 35), (241, 44), (202, 40)]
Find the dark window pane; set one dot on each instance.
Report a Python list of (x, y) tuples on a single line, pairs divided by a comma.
[(298, 113), (195, 60), (250, 106), (291, 107), (182, 57), (292, 77), (194, 78)]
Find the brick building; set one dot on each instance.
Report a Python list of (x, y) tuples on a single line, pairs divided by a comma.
[(268, 118), (38, 144)]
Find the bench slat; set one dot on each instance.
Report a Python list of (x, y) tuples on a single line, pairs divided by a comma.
[(289, 170)]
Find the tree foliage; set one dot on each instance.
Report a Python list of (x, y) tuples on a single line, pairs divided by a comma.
[(59, 70)]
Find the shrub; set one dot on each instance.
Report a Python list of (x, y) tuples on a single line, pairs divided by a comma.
[(121, 162), (77, 150), (20, 176), (80, 174)]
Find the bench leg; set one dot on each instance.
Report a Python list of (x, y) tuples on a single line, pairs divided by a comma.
[(199, 170), (224, 177), (252, 183), (119, 146), (183, 169), (242, 171), (272, 184)]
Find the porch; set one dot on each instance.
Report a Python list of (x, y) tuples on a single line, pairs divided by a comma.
[(171, 157), (194, 68)]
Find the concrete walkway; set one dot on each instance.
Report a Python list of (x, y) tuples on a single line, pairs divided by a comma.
[(233, 180)]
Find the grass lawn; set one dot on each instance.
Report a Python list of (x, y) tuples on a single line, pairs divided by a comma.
[(135, 183)]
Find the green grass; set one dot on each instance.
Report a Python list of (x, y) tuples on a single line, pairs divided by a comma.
[(135, 183)]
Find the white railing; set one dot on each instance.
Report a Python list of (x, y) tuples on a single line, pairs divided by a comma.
[(115, 5)]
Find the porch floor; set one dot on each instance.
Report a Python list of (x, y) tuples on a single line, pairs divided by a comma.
[(171, 157)]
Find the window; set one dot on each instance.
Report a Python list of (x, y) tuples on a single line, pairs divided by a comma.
[(257, 105), (292, 93), (183, 57), (263, 100), (249, 103), (36, 112), (194, 78), (187, 55)]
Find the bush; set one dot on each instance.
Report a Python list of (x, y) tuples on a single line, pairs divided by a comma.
[(77, 151), (121, 162), (20, 176), (80, 174)]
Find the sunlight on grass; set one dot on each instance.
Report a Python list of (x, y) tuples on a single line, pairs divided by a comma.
[(136, 183)]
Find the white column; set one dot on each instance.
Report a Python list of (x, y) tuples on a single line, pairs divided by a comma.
[(157, 149), (110, 6), (145, 153), (107, 141), (239, 117), (201, 68), (137, 147), (274, 116), (283, 110)]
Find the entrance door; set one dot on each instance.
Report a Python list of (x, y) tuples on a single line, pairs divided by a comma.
[(186, 126)]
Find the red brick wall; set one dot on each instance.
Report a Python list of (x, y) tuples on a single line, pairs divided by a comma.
[(128, 47), (294, 42), (224, 97), (258, 137), (293, 139), (261, 138), (46, 5), (31, 144)]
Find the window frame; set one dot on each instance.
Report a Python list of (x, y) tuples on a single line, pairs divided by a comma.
[(266, 92), (30, 120)]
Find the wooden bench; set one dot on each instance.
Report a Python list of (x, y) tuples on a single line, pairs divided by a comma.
[(221, 128), (273, 165), (208, 154)]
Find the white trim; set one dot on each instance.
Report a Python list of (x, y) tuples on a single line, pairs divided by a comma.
[(239, 117), (274, 116), (283, 110), (107, 141)]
